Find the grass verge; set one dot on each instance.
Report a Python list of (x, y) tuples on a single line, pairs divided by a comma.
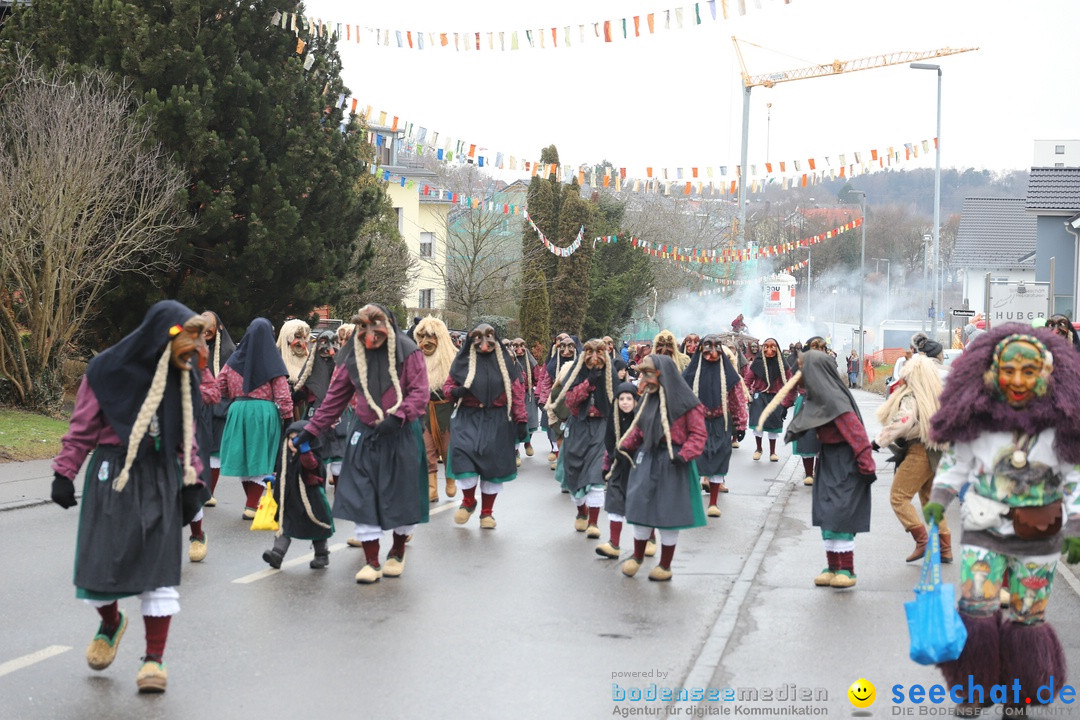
[(29, 436)]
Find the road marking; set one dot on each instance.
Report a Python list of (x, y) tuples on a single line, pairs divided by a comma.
[(35, 657), (306, 558), (1068, 576)]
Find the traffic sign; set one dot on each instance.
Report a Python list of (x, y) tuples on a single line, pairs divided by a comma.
[(963, 313)]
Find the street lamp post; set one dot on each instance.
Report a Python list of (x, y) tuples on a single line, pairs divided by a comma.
[(888, 280), (862, 287), (936, 304)]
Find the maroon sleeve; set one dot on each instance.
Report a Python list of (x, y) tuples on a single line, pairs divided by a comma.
[(282, 396), (633, 441), (789, 399), (855, 435), (87, 422), (414, 387), (543, 384), (448, 387), (578, 396), (694, 445), (337, 398), (517, 402), (737, 406), (209, 389), (222, 380)]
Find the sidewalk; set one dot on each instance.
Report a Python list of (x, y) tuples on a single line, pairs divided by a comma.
[(24, 484)]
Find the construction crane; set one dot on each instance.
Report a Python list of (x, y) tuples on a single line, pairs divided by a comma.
[(836, 67)]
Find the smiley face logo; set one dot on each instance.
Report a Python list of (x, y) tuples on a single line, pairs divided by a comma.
[(862, 693)]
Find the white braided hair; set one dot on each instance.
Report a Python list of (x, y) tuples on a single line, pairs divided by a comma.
[(723, 387), (149, 409), (303, 493), (361, 370), (217, 351), (508, 387), (779, 398)]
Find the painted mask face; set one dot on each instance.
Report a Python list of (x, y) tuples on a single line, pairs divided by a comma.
[(298, 343), (1060, 325), (483, 337), (627, 402), (373, 326), (517, 345), (458, 338), (188, 345), (428, 342), (209, 326), (567, 347), (609, 344), (1019, 370), (648, 377), (665, 346), (343, 334), (595, 355), (710, 348), (754, 348), (326, 344), (770, 349), (692, 341)]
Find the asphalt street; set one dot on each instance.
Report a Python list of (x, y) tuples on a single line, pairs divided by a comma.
[(523, 621)]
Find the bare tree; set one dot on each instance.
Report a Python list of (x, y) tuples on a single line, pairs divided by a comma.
[(385, 276), (84, 195)]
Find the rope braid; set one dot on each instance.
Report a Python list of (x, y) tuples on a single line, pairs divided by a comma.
[(723, 396), (217, 353), (142, 420), (187, 420), (776, 401), (303, 495), (305, 371), (564, 385), (620, 438), (507, 386), (361, 374), (665, 423)]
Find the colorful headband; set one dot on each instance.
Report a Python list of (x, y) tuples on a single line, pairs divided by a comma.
[(990, 378)]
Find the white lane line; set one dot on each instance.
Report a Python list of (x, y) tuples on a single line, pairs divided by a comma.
[(306, 558), (35, 657), (1067, 576)]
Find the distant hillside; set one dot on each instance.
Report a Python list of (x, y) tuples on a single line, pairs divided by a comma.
[(916, 188)]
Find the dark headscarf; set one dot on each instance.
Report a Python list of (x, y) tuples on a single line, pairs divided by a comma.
[(318, 382), (970, 408), (487, 384), (554, 363), (710, 387), (827, 396), (599, 394), (257, 357), (378, 362), (222, 338), (679, 400), (625, 418), (758, 367), (121, 375)]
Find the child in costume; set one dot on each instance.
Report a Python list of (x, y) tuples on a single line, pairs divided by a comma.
[(135, 412), (617, 470), (716, 383), (845, 462), (667, 433), (764, 377), (303, 510), (1010, 412)]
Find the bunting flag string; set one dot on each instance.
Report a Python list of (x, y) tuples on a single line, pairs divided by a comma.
[(732, 281), (469, 201), (563, 252), (547, 37)]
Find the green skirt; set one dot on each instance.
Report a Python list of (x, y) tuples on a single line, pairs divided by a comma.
[(252, 439)]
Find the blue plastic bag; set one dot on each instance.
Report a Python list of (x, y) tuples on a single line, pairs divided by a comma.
[(936, 630)]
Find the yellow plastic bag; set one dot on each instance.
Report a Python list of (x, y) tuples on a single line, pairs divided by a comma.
[(266, 515)]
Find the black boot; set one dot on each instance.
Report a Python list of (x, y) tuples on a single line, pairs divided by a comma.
[(320, 561), (273, 558)]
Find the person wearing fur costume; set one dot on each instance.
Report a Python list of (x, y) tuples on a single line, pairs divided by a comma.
[(717, 384), (764, 377), (840, 504), (383, 377), (589, 396), (665, 436), (256, 379), (488, 419), (664, 344), (433, 337), (135, 410), (905, 419), (293, 344), (564, 353), (1010, 413), (530, 374), (303, 510), (211, 425), (617, 469)]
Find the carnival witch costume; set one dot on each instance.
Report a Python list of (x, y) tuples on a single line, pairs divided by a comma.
[(530, 376), (311, 388), (382, 480), (665, 436), (564, 353), (764, 377), (617, 469), (589, 397), (433, 337), (1011, 413), (718, 386), (489, 418), (211, 422), (840, 505), (135, 412)]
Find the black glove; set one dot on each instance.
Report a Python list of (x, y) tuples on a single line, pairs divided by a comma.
[(868, 477), (522, 431), (458, 391), (63, 491), (303, 438), (390, 424), (740, 434), (191, 499), (874, 446), (680, 460)]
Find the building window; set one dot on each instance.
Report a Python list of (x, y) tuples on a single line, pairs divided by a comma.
[(1059, 149), (425, 298), (427, 245), (400, 220)]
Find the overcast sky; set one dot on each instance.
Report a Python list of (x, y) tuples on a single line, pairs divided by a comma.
[(674, 98)]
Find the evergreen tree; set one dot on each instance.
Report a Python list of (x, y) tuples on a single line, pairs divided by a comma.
[(619, 274), (535, 310), (570, 287), (272, 177)]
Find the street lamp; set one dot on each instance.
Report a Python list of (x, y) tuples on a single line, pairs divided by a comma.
[(936, 304), (862, 286), (888, 280)]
